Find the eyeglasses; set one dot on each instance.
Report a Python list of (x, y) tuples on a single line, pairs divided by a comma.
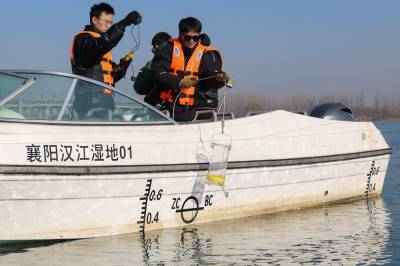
[(107, 22), (195, 38)]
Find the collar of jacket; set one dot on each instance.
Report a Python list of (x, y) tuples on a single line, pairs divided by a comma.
[(91, 28)]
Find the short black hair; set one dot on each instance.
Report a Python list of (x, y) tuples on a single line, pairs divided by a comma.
[(189, 24), (97, 9), (159, 38)]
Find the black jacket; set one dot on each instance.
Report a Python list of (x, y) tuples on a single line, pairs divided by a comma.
[(207, 90), (88, 51)]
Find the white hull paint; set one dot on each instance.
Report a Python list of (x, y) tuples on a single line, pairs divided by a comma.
[(279, 161)]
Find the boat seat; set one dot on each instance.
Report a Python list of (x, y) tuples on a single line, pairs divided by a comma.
[(99, 114)]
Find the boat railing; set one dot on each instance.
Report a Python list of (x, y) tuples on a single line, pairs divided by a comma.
[(251, 113), (226, 116), (363, 119), (205, 116), (212, 116)]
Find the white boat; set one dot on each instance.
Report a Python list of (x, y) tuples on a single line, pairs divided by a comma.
[(133, 169)]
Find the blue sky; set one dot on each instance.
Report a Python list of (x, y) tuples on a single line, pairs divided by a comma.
[(269, 47)]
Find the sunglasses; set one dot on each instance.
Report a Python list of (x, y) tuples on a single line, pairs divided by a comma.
[(195, 38)]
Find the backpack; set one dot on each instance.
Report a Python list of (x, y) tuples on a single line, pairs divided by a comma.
[(144, 81)]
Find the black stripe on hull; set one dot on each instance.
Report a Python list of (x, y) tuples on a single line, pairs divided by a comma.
[(96, 170)]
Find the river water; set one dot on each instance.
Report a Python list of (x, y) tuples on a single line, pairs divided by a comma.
[(363, 232)]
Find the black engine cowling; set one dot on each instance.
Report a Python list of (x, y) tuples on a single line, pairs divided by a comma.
[(332, 111)]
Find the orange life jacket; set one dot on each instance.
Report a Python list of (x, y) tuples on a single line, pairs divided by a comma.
[(191, 69), (106, 62)]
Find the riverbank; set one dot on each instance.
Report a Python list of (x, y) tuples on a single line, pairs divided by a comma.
[(363, 110)]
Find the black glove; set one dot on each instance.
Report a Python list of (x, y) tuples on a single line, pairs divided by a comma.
[(132, 18)]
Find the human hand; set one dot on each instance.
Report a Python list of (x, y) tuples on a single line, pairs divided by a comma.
[(128, 57), (132, 18), (222, 77), (188, 82), (125, 61)]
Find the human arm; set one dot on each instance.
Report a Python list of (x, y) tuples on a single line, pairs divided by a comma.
[(89, 49), (210, 67), (119, 70), (160, 69)]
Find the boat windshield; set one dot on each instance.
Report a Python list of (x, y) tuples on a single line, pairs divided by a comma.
[(9, 83), (65, 97)]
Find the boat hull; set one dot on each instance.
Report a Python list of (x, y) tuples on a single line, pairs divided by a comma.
[(68, 181), (42, 207)]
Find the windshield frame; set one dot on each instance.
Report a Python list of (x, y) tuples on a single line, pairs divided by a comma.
[(30, 80)]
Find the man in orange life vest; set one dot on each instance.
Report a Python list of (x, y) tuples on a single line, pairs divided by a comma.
[(144, 82), (91, 56), (188, 74)]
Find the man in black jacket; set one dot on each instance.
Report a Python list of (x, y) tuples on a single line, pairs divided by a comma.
[(144, 82), (91, 56), (177, 84)]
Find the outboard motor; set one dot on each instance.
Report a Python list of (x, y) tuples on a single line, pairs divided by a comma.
[(332, 111)]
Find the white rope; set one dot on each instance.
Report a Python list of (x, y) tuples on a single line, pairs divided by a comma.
[(223, 104), (173, 107)]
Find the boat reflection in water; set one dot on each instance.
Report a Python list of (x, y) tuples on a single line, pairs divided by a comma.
[(351, 233)]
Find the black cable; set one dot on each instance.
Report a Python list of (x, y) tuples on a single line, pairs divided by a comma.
[(137, 41), (136, 46)]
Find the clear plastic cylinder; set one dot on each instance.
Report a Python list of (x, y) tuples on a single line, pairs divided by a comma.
[(221, 146)]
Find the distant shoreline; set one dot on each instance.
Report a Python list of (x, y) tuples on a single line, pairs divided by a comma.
[(387, 119), (379, 109)]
